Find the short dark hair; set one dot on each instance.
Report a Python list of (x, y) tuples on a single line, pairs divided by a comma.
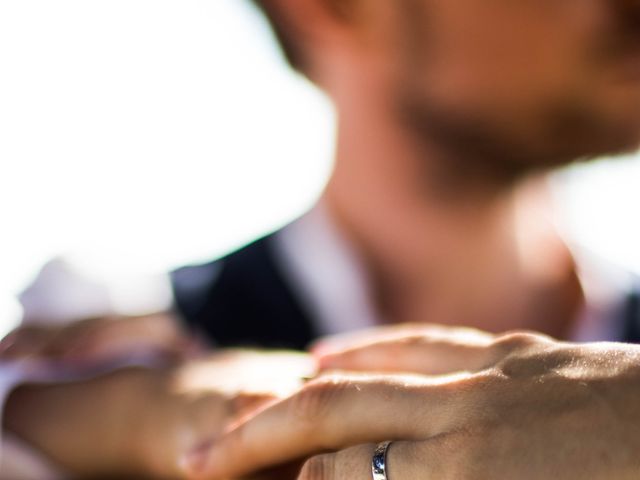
[(289, 46)]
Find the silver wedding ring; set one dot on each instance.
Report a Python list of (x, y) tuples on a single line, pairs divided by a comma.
[(379, 463)]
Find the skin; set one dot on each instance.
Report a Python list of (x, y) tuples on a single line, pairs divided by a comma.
[(444, 107), (148, 418), (518, 405), (447, 111), (95, 341), (446, 114)]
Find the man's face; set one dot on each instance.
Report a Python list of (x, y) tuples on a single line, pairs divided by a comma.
[(522, 83)]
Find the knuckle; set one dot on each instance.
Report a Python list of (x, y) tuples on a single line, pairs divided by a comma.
[(239, 441), (516, 340), (317, 399), (521, 354), (321, 467), (414, 340)]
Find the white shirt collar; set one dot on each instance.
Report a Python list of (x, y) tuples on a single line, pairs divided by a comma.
[(327, 273)]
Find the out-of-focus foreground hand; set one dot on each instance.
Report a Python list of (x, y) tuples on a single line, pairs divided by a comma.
[(519, 406), (140, 422), (93, 341)]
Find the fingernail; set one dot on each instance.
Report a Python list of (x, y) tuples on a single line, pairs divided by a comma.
[(318, 349), (330, 346), (327, 362), (324, 349)]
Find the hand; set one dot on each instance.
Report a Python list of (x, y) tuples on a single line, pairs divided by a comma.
[(207, 396), (98, 340), (140, 422), (415, 348), (523, 406)]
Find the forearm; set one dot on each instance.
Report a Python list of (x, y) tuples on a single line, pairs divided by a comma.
[(89, 428)]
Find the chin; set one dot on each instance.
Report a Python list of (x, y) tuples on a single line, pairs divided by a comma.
[(591, 136), (621, 129), (610, 147), (623, 138)]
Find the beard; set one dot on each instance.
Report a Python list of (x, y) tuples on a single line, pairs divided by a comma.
[(501, 144), (475, 146)]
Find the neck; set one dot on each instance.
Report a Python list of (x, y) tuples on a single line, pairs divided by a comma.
[(444, 255)]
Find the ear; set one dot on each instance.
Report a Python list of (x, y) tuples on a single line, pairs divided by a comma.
[(314, 27), (311, 15)]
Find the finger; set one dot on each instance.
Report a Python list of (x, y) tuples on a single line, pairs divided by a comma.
[(330, 414), (281, 472), (26, 342), (107, 338), (425, 350), (432, 351), (361, 338), (101, 348), (416, 355), (245, 404), (404, 461)]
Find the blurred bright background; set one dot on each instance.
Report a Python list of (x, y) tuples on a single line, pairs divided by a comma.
[(137, 135)]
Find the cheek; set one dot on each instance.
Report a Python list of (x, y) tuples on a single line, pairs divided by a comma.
[(507, 52)]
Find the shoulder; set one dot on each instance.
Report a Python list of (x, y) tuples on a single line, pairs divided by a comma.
[(244, 298), (194, 284), (192, 281)]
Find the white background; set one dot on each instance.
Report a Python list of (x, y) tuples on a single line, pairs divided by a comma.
[(142, 134)]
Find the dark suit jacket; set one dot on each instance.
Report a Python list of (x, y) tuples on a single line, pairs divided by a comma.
[(246, 299)]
